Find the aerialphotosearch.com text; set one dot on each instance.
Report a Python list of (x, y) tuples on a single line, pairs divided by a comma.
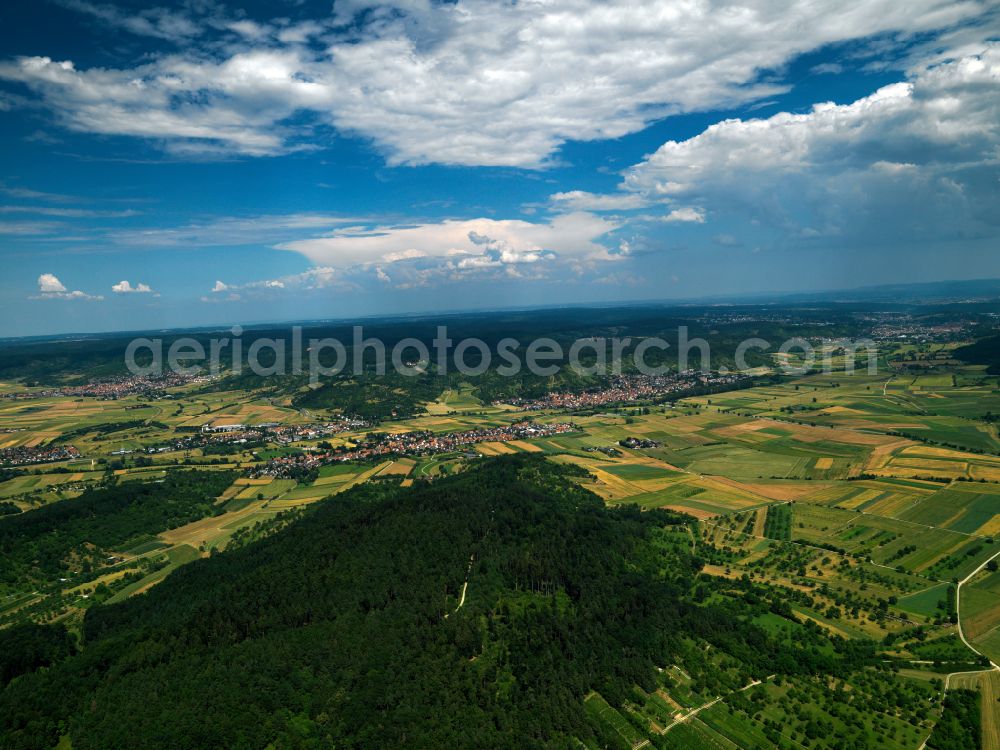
[(328, 357)]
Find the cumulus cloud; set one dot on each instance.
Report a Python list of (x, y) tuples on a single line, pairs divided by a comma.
[(50, 287), (463, 244), (473, 82), (320, 277), (914, 157), (48, 283), (685, 215), (124, 287)]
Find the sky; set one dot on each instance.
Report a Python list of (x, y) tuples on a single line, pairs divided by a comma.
[(211, 163)]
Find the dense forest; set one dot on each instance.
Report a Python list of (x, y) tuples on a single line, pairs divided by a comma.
[(78, 534), (349, 628)]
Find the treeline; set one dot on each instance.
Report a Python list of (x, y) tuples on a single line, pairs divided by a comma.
[(347, 627)]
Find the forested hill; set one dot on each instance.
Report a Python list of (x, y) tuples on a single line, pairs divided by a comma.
[(983, 352), (345, 629)]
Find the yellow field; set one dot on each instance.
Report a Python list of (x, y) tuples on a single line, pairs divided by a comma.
[(525, 446), (494, 449), (204, 531), (782, 491), (400, 467)]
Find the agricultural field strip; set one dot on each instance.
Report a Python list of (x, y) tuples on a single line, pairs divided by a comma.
[(805, 544), (694, 712)]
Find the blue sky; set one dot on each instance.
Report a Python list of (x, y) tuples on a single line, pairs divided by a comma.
[(212, 163)]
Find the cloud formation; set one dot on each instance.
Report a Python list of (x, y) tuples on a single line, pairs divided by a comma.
[(686, 215), (464, 244), (474, 82), (914, 158), (48, 284), (50, 287), (321, 277), (124, 287)]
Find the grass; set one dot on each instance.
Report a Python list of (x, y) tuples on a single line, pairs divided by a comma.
[(639, 472), (926, 603)]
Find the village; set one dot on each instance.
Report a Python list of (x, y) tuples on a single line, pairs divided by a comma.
[(631, 388), (111, 389), (409, 444), (40, 454), (258, 434)]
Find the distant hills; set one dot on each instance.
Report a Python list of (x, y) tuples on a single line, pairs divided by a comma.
[(882, 295), (937, 291)]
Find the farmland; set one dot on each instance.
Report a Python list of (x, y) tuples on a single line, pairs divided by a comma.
[(853, 506)]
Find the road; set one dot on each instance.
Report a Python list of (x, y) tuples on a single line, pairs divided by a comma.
[(465, 586), (958, 607), (961, 634)]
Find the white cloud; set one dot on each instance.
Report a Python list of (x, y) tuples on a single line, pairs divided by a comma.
[(475, 82), (320, 277), (685, 215), (47, 283), (124, 287), (248, 29), (579, 200), (235, 105), (463, 244), (913, 158), (50, 287)]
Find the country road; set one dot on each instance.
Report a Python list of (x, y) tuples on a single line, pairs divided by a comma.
[(958, 607), (465, 586), (961, 634)]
